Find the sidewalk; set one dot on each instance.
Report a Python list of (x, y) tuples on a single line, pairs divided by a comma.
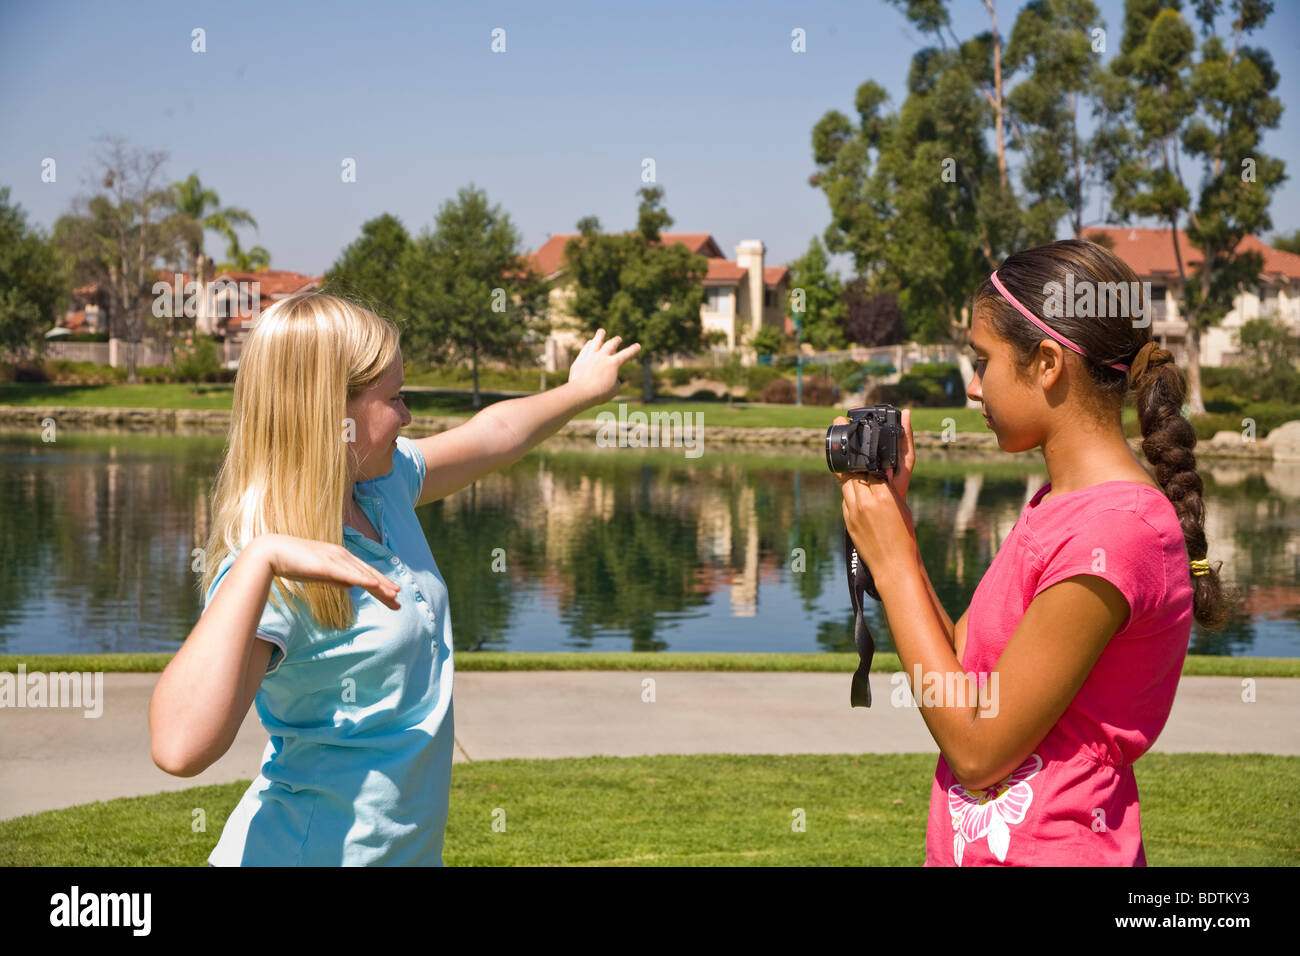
[(54, 758)]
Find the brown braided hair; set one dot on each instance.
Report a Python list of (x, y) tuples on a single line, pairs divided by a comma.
[(1167, 437)]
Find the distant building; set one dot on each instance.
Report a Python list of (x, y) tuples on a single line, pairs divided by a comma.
[(85, 314), (238, 296), (739, 295), (1150, 252), (233, 298)]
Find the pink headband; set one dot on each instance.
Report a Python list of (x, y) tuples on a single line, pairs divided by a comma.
[(997, 284)]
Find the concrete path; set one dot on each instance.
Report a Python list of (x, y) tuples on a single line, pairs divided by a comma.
[(54, 758)]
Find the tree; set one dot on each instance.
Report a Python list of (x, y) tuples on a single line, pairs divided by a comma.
[(873, 318), (1053, 39), (202, 211), (1272, 349), (822, 297), (915, 196), (241, 260), (1214, 110), (634, 286), (34, 284), (115, 238), (924, 206), (1289, 243), (469, 286), (370, 269)]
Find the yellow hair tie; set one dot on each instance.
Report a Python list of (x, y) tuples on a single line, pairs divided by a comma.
[(1200, 566)]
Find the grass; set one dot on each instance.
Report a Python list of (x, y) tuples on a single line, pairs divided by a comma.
[(1196, 665), (705, 810), (459, 404), (118, 396)]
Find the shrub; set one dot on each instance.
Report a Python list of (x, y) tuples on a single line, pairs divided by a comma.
[(31, 372), (819, 390), (760, 376), (779, 391), (677, 377), (195, 360), (845, 370), (705, 395), (630, 373), (930, 385), (767, 341)]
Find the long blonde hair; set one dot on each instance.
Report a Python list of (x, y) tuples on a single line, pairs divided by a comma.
[(286, 464)]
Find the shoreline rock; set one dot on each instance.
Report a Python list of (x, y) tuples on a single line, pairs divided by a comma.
[(216, 421)]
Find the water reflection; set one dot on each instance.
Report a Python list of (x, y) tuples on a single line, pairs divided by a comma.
[(579, 548)]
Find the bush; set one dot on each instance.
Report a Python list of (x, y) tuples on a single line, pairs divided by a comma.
[(767, 341), (705, 395), (195, 360), (928, 385), (819, 390), (845, 370), (779, 391), (630, 373), (760, 376), (677, 377), (31, 372)]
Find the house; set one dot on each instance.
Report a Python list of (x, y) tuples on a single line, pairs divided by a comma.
[(238, 297), (226, 312), (1150, 252), (740, 295)]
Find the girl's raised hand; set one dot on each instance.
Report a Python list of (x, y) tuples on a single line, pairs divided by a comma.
[(596, 367), (302, 559)]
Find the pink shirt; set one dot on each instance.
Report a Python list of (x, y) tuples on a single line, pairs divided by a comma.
[(1074, 800)]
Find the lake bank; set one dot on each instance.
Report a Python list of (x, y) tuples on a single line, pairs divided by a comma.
[(216, 421)]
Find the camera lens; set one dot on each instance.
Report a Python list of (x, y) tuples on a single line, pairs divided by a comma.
[(836, 455)]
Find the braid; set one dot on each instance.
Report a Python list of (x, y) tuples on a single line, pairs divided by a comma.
[(1167, 442)]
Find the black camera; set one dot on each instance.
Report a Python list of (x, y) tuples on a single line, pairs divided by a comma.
[(868, 444)]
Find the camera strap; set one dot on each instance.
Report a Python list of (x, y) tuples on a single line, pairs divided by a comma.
[(860, 583)]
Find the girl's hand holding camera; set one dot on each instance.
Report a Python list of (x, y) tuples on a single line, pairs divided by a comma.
[(595, 370), (302, 559), (876, 511)]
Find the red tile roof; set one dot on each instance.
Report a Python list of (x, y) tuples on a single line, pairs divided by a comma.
[(724, 270), (549, 259), (272, 282), (1151, 252)]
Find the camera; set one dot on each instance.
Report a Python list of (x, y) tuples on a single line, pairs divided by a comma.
[(868, 444)]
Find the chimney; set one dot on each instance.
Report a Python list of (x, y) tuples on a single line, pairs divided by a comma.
[(749, 256)]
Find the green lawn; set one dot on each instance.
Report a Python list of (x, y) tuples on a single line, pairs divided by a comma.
[(705, 810), (1198, 665), (153, 395)]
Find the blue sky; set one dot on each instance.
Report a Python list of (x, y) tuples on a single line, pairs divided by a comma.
[(554, 129)]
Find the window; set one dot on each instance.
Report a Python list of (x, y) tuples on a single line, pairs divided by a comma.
[(769, 297), (717, 299)]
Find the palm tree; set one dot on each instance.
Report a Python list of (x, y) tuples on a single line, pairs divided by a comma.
[(239, 260), (203, 209)]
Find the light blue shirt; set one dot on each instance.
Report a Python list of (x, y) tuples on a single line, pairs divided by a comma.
[(358, 767)]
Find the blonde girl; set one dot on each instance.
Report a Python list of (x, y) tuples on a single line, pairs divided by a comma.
[(324, 605), (1077, 633)]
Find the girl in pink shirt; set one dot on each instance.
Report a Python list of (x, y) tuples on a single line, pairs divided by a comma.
[(1072, 646)]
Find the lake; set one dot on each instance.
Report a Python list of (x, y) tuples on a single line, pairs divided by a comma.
[(594, 549)]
